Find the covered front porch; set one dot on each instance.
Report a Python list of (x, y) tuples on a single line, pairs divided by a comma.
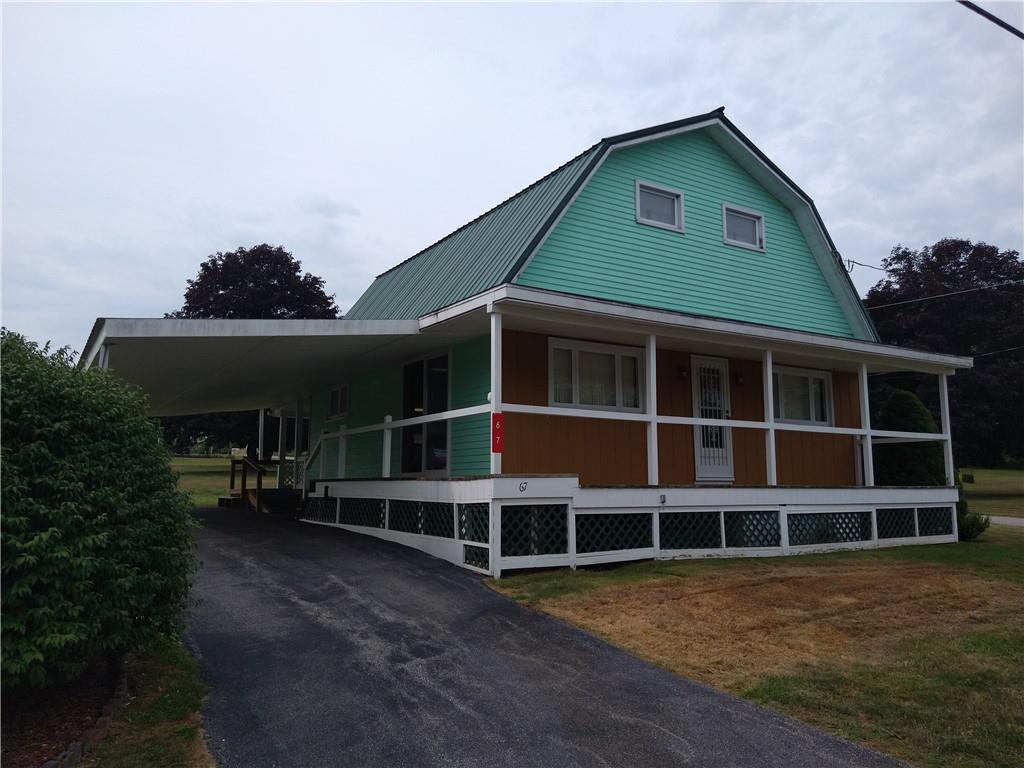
[(524, 428)]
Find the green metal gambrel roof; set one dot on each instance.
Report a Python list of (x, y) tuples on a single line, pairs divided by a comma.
[(492, 248), (473, 258)]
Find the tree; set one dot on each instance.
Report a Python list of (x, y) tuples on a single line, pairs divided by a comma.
[(262, 282), (987, 402), (96, 538)]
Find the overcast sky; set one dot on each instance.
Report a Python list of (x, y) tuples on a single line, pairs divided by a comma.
[(138, 139)]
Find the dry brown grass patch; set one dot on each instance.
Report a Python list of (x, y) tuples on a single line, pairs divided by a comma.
[(729, 627)]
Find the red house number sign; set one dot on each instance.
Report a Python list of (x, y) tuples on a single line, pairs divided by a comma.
[(497, 432)]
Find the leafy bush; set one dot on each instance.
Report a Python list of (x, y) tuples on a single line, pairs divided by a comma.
[(97, 548), (907, 463), (969, 525)]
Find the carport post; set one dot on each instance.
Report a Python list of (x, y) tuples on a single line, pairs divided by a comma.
[(259, 445), (385, 459), (282, 426)]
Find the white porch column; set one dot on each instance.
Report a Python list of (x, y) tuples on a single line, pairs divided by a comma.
[(495, 380), (652, 410), (259, 444), (768, 392), (385, 458), (865, 424), (282, 444), (947, 432)]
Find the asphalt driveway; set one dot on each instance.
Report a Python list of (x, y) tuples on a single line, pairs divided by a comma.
[(326, 648)]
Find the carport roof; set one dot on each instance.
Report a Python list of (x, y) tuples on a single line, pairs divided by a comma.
[(199, 366)]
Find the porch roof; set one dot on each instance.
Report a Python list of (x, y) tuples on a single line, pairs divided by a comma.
[(198, 366)]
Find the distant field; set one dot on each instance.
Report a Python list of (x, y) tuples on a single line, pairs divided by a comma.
[(996, 491), (205, 479)]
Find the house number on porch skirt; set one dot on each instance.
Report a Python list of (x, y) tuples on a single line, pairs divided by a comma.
[(497, 432)]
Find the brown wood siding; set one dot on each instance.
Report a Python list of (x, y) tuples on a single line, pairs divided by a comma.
[(805, 458), (675, 393), (600, 451), (524, 368), (606, 452), (846, 399), (675, 454)]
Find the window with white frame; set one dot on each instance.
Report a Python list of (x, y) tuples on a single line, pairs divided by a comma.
[(801, 396), (742, 227), (599, 376), (659, 206), (337, 405)]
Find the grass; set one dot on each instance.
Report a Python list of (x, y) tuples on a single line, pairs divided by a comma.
[(917, 651), (204, 478), (160, 723), (943, 700), (207, 478), (996, 491)]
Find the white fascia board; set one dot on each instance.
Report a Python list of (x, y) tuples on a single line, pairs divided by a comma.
[(742, 334), (155, 328), (112, 329), (818, 241)]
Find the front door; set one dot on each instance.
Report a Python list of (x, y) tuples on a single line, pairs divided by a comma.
[(712, 446)]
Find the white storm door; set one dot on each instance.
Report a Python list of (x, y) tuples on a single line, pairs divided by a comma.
[(712, 446)]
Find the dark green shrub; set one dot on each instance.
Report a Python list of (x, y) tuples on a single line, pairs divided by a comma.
[(907, 463), (969, 525), (967, 477), (97, 547)]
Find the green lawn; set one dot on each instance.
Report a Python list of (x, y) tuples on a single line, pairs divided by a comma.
[(160, 724), (996, 491), (206, 479), (916, 651)]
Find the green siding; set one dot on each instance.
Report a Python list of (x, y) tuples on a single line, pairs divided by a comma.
[(471, 446), (471, 435), (377, 393), (471, 372), (599, 250)]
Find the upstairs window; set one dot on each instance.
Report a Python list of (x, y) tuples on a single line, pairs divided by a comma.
[(659, 206), (337, 406), (742, 227), (596, 376), (802, 397)]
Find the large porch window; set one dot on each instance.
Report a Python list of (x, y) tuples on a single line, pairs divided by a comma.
[(424, 391), (597, 376), (802, 396)]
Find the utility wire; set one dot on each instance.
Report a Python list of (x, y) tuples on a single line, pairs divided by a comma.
[(998, 352), (944, 295), (992, 17), (851, 262)]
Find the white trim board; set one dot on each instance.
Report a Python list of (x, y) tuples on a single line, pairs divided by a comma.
[(643, 320)]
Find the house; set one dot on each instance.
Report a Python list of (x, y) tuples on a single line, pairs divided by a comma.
[(653, 351)]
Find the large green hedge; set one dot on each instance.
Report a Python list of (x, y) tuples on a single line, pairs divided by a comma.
[(97, 546)]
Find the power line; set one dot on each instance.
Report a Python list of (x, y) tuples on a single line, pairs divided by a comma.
[(991, 17), (851, 262), (999, 351), (944, 295)]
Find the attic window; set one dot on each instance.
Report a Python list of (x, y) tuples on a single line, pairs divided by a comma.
[(659, 206), (742, 227)]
